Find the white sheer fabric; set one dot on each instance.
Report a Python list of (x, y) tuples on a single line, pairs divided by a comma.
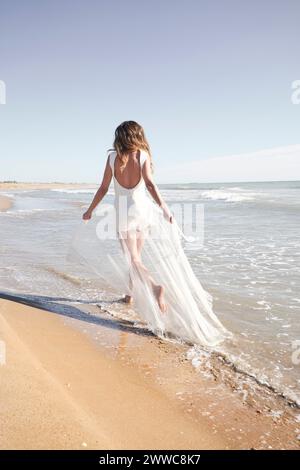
[(138, 221)]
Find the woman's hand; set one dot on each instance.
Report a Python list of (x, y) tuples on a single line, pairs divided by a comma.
[(87, 215), (167, 214)]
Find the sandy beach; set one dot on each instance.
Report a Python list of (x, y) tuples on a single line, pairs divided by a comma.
[(60, 390), (31, 186)]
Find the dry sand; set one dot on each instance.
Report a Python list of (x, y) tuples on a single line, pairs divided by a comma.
[(62, 390), (59, 392)]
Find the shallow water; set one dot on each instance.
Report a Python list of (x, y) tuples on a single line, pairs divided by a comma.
[(249, 262)]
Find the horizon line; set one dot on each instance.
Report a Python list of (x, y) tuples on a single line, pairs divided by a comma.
[(178, 183)]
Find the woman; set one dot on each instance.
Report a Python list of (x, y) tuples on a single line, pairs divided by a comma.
[(131, 166), (158, 277)]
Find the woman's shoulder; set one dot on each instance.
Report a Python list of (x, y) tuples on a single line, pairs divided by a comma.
[(144, 156), (111, 151), (111, 155)]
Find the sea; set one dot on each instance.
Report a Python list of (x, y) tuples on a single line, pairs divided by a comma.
[(249, 261)]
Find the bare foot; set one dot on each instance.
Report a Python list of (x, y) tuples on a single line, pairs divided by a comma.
[(127, 299), (159, 294)]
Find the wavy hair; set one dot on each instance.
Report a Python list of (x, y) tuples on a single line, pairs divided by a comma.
[(129, 137)]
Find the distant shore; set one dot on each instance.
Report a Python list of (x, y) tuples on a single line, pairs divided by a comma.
[(20, 185)]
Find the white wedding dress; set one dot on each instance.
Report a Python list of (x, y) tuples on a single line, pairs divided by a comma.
[(189, 316)]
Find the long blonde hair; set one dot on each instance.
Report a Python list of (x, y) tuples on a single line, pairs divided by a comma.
[(129, 137)]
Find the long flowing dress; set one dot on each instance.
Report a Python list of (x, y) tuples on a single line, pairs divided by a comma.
[(103, 245)]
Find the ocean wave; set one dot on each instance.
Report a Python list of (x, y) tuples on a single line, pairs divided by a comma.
[(11, 195), (74, 191), (241, 377), (22, 212), (220, 194)]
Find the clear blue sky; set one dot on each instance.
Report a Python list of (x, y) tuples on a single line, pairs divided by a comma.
[(205, 78)]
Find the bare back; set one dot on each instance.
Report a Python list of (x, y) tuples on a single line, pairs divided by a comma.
[(131, 175)]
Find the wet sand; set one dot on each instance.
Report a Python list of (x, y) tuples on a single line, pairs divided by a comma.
[(89, 381)]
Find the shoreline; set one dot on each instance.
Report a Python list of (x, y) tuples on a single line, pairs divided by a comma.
[(19, 185), (116, 388)]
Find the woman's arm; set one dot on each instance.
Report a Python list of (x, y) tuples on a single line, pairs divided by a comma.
[(107, 176), (153, 190)]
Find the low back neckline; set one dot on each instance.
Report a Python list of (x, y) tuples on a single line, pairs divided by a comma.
[(141, 176)]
